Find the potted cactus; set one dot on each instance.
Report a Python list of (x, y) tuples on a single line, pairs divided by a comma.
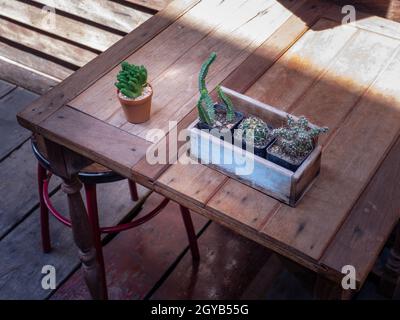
[(255, 132), (134, 93), (294, 143), (221, 116)]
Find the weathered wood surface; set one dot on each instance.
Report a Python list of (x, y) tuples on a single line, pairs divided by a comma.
[(61, 50), (21, 249), (228, 264), (21, 75), (168, 103), (386, 8), (136, 260), (18, 192), (5, 88), (103, 12), (152, 4), (13, 135), (64, 27), (83, 78), (47, 68), (71, 125), (370, 222)]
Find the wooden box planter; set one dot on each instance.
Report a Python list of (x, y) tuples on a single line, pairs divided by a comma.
[(268, 177)]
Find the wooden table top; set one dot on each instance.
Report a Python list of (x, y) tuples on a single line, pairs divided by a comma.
[(294, 55)]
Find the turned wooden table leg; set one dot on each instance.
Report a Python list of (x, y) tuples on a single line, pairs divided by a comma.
[(67, 164), (390, 282), (83, 238)]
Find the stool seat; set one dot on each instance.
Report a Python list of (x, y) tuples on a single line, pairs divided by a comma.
[(94, 173)]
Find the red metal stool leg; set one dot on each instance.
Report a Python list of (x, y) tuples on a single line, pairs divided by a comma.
[(133, 190), (187, 219), (92, 210), (44, 212)]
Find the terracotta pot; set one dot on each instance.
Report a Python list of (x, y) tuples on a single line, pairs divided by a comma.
[(137, 110)]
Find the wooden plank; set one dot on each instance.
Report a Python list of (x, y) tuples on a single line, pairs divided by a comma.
[(49, 68), (362, 143), (25, 77), (233, 224), (301, 64), (195, 181), (13, 135), (180, 37), (22, 257), (56, 48), (5, 88), (344, 80), (64, 27), (366, 21), (241, 203), (364, 233), (106, 13), (386, 8), (228, 264), (240, 41), (18, 192), (135, 261), (95, 140), (84, 77), (152, 4), (275, 46)]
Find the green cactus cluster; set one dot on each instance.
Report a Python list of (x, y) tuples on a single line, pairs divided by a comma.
[(131, 80), (296, 139), (205, 104), (253, 131)]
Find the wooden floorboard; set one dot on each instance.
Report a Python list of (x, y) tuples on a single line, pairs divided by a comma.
[(18, 192), (22, 260), (137, 259), (228, 264), (12, 134), (25, 77), (5, 87), (103, 12)]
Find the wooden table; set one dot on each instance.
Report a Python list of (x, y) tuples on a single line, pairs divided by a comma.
[(294, 55)]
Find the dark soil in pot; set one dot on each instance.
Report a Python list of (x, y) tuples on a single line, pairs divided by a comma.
[(276, 155), (221, 123)]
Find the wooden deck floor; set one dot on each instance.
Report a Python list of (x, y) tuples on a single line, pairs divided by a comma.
[(150, 262)]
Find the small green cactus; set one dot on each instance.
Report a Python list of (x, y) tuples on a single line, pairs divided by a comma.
[(131, 80), (297, 138), (253, 131), (205, 105)]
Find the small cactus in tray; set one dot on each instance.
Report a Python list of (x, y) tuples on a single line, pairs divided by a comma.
[(254, 131), (131, 80), (296, 139)]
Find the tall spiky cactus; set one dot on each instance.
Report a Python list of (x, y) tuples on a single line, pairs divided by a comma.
[(297, 138), (131, 80), (204, 94)]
